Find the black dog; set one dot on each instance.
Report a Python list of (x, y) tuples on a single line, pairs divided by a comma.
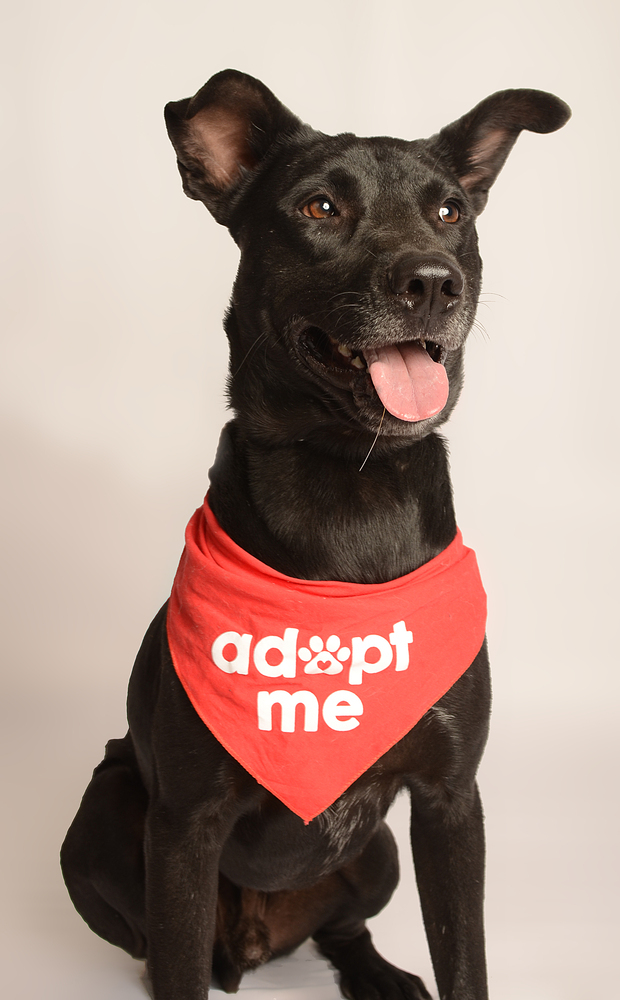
[(358, 283)]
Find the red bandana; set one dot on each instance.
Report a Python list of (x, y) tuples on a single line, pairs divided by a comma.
[(307, 683)]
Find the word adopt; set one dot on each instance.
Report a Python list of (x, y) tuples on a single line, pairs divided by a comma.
[(278, 656)]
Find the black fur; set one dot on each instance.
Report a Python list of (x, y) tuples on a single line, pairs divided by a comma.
[(176, 853)]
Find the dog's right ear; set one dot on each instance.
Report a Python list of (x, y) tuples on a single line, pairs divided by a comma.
[(223, 133)]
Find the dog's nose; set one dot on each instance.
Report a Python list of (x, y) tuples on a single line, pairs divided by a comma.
[(428, 284)]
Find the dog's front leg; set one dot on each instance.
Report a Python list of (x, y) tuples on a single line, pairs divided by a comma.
[(448, 851), (182, 857)]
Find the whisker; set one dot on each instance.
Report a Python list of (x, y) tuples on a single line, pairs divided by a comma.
[(374, 442), (338, 295), (262, 337), (478, 327)]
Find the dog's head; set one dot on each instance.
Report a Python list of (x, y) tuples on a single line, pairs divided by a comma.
[(359, 274)]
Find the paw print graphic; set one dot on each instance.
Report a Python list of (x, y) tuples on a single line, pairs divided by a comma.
[(324, 662)]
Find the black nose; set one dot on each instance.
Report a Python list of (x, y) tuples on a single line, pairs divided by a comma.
[(430, 285)]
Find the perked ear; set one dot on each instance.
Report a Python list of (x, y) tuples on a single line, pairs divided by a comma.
[(477, 145), (222, 133)]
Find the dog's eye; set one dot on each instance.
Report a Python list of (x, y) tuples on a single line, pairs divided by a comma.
[(319, 208), (449, 212)]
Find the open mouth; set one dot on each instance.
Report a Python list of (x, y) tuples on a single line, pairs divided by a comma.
[(409, 378), (332, 354)]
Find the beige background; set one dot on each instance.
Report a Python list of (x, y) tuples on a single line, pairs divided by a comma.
[(112, 374)]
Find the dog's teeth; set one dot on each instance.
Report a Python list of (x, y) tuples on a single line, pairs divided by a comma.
[(345, 351), (357, 362)]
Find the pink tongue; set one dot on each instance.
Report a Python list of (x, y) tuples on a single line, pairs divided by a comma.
[(408, 382)]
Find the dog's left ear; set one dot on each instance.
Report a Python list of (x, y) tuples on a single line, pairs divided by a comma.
[(477, 145), (222, 133)]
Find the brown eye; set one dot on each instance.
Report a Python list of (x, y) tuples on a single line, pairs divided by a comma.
[(319, 208), (449, 212)]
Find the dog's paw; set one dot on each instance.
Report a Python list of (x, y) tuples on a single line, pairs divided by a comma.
[(382, 981)]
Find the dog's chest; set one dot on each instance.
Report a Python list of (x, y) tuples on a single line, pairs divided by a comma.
[(272, 850)]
